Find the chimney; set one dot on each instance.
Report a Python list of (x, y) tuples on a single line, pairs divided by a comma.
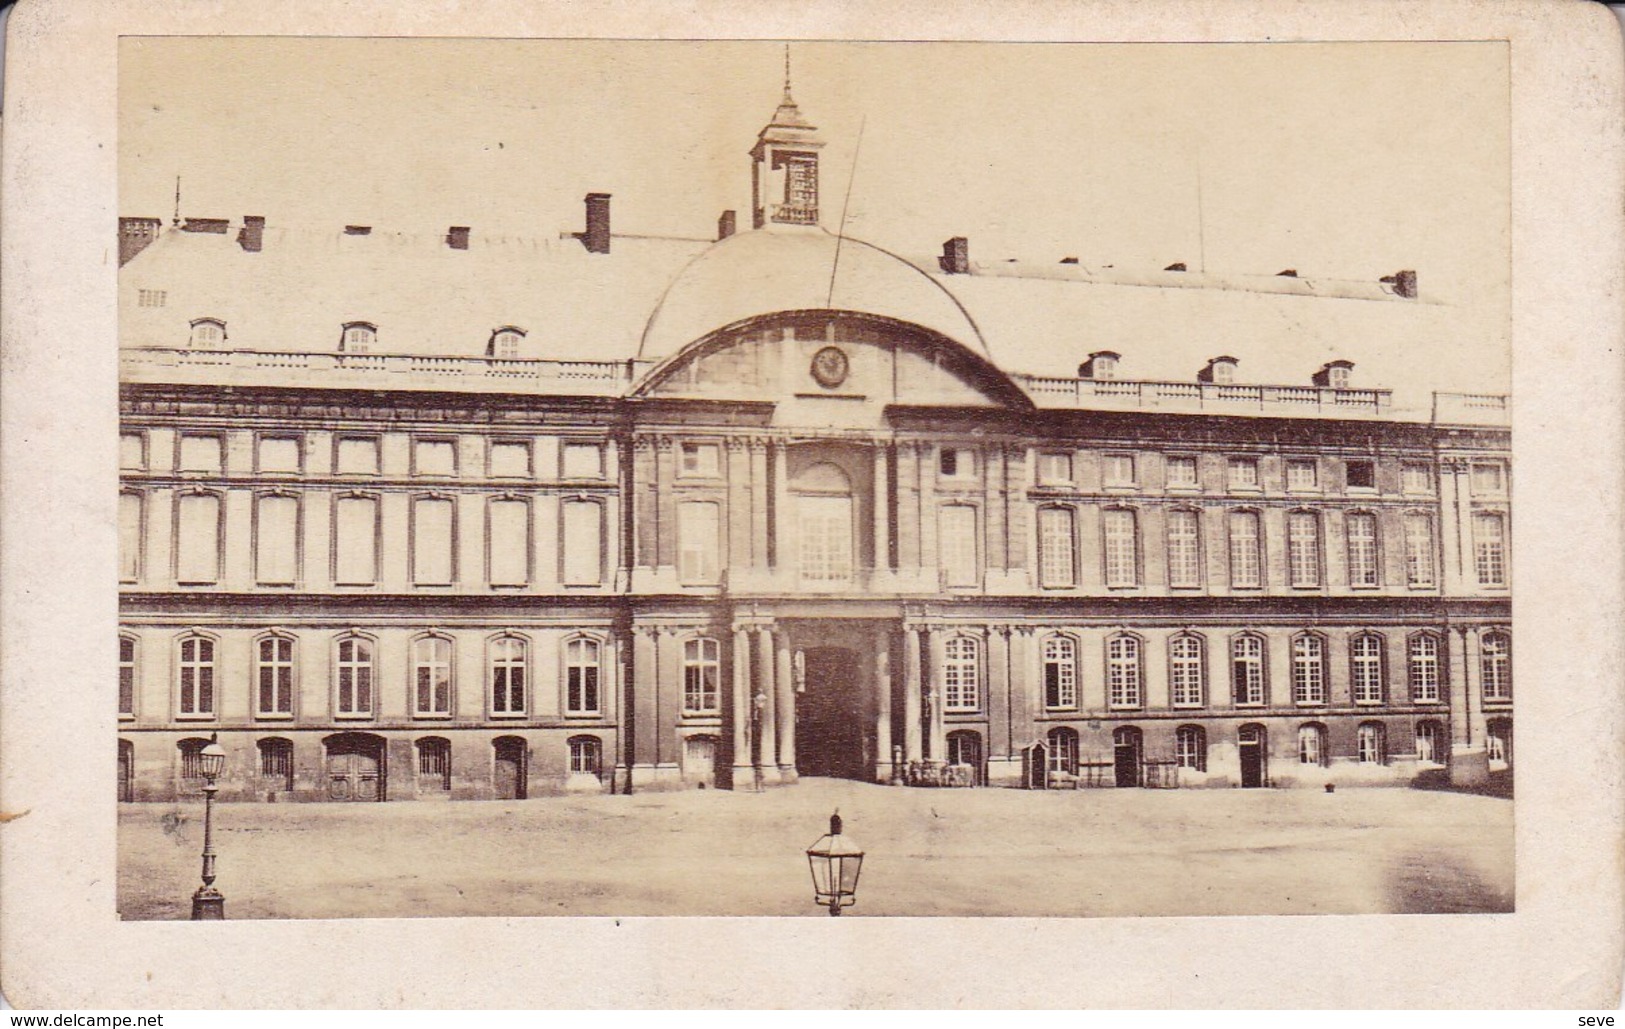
[(596, 238), (457, 237), (358, 230), (1069, 260), (727, 225), (1177, 266), (1288, 273), (1404, 283), (955, 259), (217, 225), (134, 236), (251, 237)]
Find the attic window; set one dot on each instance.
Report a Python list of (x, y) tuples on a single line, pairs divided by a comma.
[(1337, 377), (1105, 366), (208, 333), (151, 297), (357, 337), (505, 343)]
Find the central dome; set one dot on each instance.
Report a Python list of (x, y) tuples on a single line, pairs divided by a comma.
[(764, 272)]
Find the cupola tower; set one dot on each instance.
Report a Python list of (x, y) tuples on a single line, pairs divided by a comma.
[(784, 166)]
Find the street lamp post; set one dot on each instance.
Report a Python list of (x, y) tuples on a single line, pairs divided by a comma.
[(835, 861), (207, 902)]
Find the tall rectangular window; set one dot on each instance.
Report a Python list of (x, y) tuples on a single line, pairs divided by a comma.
[(1060, 673), (1303, 548), (1419, 549), (507, 674), (1302, 475), (434, 457), (1495, 665), (431, 676), (1361, 529), (355, 541), (581, 667), (196, 668), (432, 541), (131, 525), (1308, 670), (132, 452), (126, 676), (956, 543), (1424, 668), (702, 674), (1118, 469), (510, 459), (583, 527), (1246, 568), (1247, 670), (276, 539), (201, 453), (1057, 565), (583, 461), (1187, 671), (510, 542), (278, 455), (961, 674), (1489, 547), (1182, 472), (1365, 666), (356, 455), (1122, 547), (824, 524), (354, 685), (197, 538), (1184, 549), (1123, 671), (698, 540), (273, 667)]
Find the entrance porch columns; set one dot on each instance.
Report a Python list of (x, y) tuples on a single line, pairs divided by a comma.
[(1460, 728), (741, 710), (784, 680), (883, 764), (767, 732), (911, 694)]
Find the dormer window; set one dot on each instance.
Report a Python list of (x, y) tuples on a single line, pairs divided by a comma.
[(1220, 371), (358, 337), (1335, 374), (1102, 364), (208, 333), (505, 343)]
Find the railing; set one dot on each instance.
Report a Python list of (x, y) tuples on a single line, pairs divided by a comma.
[(1472, 408), (250, 367), (1203, 395)]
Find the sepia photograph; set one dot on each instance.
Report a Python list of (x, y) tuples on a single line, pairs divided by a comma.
[(618, 477)]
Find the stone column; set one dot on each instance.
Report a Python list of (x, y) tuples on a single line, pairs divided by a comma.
[(1460, 727), (998, 693), (768, 734), (643, 696), (926, 460), (759, 530), (908, 508), (741, 709), (1469, 761), (883, 764), (911, 694), (739, 513), (784, 680), (1478, 725), (783, 552), (882, 491), (665, 504), (938, 742)]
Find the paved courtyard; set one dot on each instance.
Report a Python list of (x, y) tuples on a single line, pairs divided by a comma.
[(930, 852)]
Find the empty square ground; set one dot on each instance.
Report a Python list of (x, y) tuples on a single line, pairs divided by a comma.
[(929, 852)]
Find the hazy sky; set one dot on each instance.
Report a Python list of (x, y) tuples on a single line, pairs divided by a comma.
[(1344, 160)]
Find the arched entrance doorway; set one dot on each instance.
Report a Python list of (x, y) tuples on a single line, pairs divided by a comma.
[(1128, 746), (1252, 742), (700, 761), (831, 717), (965, 748), (355, 766), (509, 773)]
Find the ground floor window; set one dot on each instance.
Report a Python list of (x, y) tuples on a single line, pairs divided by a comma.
[(1372, 743), (586, 756), (1063, 751), (276, 763), (1312, 744), (1430, 743), (434, 763), (1190, 747)]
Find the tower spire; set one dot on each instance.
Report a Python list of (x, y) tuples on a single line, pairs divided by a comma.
[(788, 99)]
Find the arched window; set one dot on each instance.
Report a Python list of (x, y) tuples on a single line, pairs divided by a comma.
[(1308, 670), (1063, 750), (434, 763), (1123, 671), (431, 677), (208, 333), (353, 662), (702, 672), (126, 676), (507, 657), (276, 763), (273, 676), (1361, 530), (586, 756), (1423, 654), (1365, 666), (506, 343), (1496, 665), (1060, 672), (1122, 547), (195, 689), (1246, 567), (1312, 744), (1371, 741), (1190, 747), (1303, 548), (961, 674), (581, 671), (357, 337), (1431, 743), (1489, 548), (1187, 671), (1184, 548), (1057, 553), (1247, 669), (825, 520)]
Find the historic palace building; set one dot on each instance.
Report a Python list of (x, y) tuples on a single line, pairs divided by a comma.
[(460, 516)]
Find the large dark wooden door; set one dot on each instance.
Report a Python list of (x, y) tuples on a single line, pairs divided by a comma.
[(509, 775), (830, 716), (355, 767), (1250, 743), (1126, 755)]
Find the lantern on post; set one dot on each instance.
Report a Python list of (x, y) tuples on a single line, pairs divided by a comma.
[(207, 902), (835, 861)]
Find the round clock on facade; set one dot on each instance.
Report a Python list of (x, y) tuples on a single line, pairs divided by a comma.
[(829, 367)]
